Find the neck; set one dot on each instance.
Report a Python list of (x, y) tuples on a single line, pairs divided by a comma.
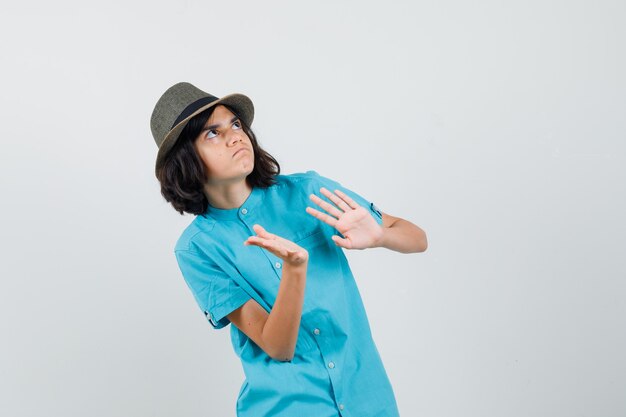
[(227, 195)]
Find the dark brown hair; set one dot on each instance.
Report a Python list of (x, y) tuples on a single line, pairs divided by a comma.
[(182, 175)]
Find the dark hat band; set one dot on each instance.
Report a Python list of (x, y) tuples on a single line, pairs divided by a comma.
[(190, 109)]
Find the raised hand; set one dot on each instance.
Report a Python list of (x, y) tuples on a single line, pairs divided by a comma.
[(359, 228), (286, 250)]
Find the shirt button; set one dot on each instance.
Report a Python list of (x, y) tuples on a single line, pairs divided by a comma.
[(331, 365), (341, 407), (277, 265), (316, 331), (244, 211)]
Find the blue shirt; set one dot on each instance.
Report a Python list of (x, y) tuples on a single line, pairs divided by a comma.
[(336, 369)]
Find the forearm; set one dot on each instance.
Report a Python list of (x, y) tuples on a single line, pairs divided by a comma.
[(403, 236), (280, 332)]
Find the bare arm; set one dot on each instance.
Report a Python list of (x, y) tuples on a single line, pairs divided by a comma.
[(401, 235), (277, 332)]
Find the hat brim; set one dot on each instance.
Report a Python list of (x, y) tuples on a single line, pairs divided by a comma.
[(240, 103)]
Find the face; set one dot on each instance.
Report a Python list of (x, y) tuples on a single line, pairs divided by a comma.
[(225, 148)]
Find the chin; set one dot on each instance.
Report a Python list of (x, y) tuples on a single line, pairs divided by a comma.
[(250, 169)]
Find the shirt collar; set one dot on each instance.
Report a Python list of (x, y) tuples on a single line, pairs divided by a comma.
[(253, 200)]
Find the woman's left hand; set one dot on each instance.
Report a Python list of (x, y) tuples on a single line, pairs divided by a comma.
[(354, 222)]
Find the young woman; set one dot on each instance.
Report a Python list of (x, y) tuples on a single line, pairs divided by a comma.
[(259, 255)]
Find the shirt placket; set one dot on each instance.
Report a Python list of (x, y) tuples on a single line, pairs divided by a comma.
[(249, 217), (324, 338), (321, 331)]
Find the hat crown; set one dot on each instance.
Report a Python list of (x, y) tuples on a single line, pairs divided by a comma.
[(171, 104)]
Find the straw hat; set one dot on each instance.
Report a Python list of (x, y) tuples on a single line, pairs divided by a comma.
[(179, 104)]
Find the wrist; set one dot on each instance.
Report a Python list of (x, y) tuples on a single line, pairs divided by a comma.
[(379, 240), (294, 274), (295, 267)]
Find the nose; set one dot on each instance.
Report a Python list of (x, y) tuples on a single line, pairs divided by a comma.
[(234, 138)]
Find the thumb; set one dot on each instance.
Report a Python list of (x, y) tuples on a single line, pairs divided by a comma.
[(259, 230), (343, 243)]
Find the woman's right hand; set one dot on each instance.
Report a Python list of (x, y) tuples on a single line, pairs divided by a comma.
[(286, 250)]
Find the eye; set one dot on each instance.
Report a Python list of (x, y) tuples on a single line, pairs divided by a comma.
[(237, 124), (211, 133)]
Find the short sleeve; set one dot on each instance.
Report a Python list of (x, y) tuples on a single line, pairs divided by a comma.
[(215, 292), (334, 185)]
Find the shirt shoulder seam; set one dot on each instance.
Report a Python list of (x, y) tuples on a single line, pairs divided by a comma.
[(188, 244)]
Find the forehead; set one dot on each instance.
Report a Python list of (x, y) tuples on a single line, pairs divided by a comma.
[(221, 113)]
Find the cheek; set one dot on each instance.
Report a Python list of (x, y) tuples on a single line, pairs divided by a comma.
[(207, 160), (214, 162), (218, 161)]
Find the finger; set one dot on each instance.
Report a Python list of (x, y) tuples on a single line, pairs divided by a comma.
[(275, 248), (263, 243), (326, 206), (321, 216), (262, 232), (342, 242), (338, 201), (347, 199), (256, 241)]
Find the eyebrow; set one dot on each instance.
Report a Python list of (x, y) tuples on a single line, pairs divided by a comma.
[(211, 127)]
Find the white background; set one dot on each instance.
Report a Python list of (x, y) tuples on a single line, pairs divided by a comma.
[(497, 127)]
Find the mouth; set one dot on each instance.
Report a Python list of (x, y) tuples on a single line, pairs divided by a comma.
[(239, 151)]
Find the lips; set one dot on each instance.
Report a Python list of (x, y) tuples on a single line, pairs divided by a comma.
[(239, 151)]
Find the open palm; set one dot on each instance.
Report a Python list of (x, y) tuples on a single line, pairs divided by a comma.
[(285, 249), (353, 221)]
